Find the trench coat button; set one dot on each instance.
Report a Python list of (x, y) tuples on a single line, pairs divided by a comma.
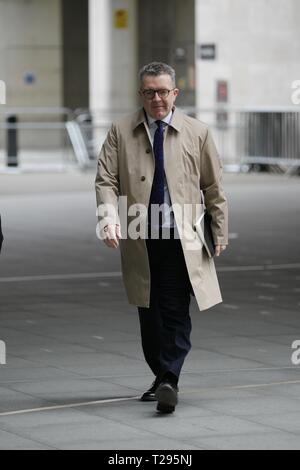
[(143, 178), (148, 151)]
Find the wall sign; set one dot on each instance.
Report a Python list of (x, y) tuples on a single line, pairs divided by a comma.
[(207, 51), (222, 91), (29, 78), (121, 19)]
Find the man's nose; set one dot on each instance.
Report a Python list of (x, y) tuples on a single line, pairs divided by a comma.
[(156, 97)]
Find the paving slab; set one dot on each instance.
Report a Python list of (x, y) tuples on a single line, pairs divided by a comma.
[(75, 367)]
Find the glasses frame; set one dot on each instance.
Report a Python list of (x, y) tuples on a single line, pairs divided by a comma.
[(156, 91)]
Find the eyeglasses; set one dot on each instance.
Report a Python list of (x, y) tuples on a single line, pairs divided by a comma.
[(149, 94)]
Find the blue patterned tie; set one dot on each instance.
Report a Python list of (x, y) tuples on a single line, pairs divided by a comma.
[(157, 192)]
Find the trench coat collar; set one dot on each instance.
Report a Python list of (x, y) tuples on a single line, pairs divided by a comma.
[(176, 122)]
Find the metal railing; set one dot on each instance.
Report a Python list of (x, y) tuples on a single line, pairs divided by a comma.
[(256, 138), (41, 139), (248, 138), (271, 137)]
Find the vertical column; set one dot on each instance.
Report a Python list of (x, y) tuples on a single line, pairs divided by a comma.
[(75, 53), (113, 55), (99, 54), (167, 33)]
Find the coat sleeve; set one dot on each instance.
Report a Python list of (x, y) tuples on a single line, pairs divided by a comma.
[(107, 180), (211, 168)]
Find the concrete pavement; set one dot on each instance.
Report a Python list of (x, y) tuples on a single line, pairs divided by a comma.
[(74, 362)]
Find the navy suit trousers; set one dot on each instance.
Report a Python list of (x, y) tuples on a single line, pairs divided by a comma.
[(166, 324)]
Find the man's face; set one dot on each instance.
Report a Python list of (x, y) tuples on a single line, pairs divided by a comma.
[(158, 107)]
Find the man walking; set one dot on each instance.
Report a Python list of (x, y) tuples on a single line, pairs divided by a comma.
[(160, 158)]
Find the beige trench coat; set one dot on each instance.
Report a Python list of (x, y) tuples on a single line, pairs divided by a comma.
[(126, 168)]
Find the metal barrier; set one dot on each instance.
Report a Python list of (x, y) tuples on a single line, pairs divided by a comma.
[(246, 139), (79, 144), (251, 138), (41, 139), (271, 137)]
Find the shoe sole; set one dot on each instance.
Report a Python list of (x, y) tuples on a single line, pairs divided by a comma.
[(166, 397), (166, 409), (145, 399)]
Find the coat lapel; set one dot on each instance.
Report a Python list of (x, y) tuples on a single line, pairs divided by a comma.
[(172, 151), (173, 158)]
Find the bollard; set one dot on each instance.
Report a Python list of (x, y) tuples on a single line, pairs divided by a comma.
[(12, 145)]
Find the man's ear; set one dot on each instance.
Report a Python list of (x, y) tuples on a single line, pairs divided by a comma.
[(176, 93)]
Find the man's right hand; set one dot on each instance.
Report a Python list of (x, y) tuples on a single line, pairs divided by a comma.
[(112, 235)]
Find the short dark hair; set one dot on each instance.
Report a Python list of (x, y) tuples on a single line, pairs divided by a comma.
[(156, 69)]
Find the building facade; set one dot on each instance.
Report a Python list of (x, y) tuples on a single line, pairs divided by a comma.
[(86, 53)]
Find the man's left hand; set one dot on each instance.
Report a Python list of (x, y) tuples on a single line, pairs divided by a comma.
[(219, 249)]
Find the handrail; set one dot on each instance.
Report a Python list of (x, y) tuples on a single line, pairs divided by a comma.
[(48, 111), (195, 110), (33, 125), (244, 136)]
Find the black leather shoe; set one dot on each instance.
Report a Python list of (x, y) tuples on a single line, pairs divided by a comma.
[(167, 397), (149, 395)]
